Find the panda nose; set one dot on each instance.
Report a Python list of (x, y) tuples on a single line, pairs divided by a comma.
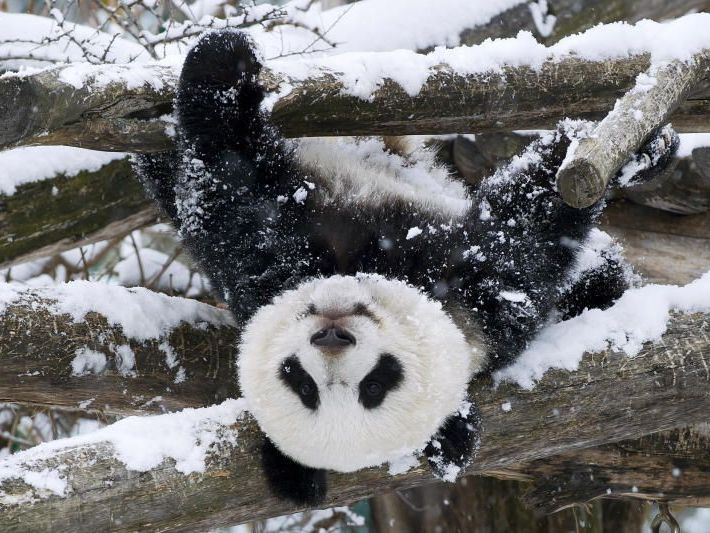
[(333, 338)]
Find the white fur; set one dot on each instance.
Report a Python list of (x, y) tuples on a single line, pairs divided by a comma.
[(341, 434), (361, 172)]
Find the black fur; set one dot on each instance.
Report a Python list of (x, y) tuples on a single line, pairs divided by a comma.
[(291, 480), (386, 376), (231, 196), (300, 382), (455, 443)]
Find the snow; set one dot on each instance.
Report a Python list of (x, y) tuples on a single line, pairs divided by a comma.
[(140, 443), (88, 361), (141, 313), (47, 162), (362, 73), (691, 141), (506, 407), (126, 360), (36, 30), (98, 76), (149, 266), (381, 25), (370, 25), (639, 316), (543, 19), (403, 464), (413, 232)]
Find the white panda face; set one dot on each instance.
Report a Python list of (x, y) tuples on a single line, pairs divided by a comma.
[(349, 372)]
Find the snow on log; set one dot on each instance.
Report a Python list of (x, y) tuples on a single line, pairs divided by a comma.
[(37, 360), (92, 346), (498, 85), (592, 162), (198, 469)]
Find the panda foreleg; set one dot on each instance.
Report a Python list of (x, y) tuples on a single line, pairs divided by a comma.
[(290, 480)]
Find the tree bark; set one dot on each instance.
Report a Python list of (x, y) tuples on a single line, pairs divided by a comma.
[(51, 216), (38, 346), (666, 466), (610, 398), (118, 117)]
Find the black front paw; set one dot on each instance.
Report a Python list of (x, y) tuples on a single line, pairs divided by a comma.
[(455, 444), (290, 480)]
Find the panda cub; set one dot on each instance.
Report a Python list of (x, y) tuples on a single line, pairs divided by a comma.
[(371, 288)]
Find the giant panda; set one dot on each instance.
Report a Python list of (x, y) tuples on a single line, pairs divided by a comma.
[(372, 287)]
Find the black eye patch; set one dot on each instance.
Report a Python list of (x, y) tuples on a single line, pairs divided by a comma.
[(299, 381), (386, 376)]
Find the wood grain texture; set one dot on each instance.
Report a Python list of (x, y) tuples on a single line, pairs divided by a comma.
[(610, 398), (671, 466)]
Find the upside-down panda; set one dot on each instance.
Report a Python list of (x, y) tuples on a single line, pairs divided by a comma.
[(372, 287)]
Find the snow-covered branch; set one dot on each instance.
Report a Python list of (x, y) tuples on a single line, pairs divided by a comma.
[(115, 350), (199, 468), (498, 85), (68, 198)]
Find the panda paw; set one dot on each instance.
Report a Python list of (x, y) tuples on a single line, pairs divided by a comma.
[(290, 480), (651, 160), (453, 447)]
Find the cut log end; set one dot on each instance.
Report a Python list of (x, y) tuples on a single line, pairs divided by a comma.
[(580, 183)]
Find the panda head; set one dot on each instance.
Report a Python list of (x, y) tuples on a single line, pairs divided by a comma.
[(344, 372)]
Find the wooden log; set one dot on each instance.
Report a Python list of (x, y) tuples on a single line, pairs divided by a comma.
[(106, 110), (117, 116), (610, 398), (51, 216), (684, 187), (38, 346), (672, 466), (663, 247), (583, 177)]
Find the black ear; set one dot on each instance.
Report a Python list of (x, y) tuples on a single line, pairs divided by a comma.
[(291, 480), (456, 442)]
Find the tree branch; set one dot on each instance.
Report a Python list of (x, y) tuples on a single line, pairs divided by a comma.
[(51, 216), (611, 397), (116, 115), (670, 466), (190, 365), (583, 177)]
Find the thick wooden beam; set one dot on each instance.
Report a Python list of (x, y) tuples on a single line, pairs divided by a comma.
[(120, 117), (671, 466), (663, 247), (39, 345), (51, 216), (610, 398)]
